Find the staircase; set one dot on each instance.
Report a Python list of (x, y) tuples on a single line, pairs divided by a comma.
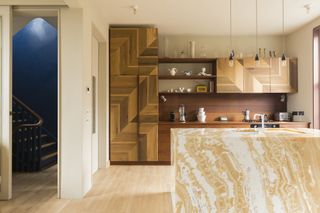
[(34, 147)]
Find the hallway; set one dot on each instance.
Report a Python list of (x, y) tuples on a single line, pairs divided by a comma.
[(119, 189)]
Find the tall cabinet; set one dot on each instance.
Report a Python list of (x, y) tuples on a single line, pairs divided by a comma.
[(133, 94)]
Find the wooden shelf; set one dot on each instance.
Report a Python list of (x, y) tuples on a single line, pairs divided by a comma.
[(186, 93), (184, 77), (187, 60)]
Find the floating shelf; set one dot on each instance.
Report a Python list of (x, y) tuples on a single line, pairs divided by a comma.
[(184, 77), (187, 60)]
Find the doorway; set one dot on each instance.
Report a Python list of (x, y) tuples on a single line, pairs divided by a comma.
[(35, 100)]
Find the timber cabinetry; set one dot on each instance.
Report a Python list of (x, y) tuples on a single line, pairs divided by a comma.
[(133, 94), (269, 76)]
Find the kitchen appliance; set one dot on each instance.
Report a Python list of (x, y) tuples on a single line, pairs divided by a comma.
[(282, 116), (246, 114), (268, 125), (182, 114), (201, 115), (297, 116), (172, 116)]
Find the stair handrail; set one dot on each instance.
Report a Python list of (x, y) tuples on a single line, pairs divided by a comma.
[(40, 119)]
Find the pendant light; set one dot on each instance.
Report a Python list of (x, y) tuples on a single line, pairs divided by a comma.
[(256, 58), (283, 57), (231, 56)]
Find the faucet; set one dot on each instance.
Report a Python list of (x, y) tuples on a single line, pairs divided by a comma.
[(262, 119)]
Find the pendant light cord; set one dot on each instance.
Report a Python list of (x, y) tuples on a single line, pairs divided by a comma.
[(283, 40), (257, 26), (230, 25)]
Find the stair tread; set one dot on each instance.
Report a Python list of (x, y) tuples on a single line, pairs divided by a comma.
[(44, 145), (49, 156)]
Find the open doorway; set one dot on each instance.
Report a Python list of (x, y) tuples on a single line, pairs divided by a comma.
[(35, 101)]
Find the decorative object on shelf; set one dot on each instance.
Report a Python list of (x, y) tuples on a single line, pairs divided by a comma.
[(204, 72), (173, 71), (201, 88), (188, 73), (283, 57), (163, 98), (231, 56), (256, 58), (203, 51), (189, 90), (201, 115), (181, 89), (172, 116), (182, 54), (182, 114), (211, 86), (192, 46)]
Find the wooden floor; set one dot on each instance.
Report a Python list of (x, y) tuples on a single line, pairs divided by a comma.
[(117, 189)]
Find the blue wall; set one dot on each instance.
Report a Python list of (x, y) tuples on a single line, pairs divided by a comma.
[(35, 69)]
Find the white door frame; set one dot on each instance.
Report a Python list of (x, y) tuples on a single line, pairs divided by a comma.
[(102, 98), (6, 106)]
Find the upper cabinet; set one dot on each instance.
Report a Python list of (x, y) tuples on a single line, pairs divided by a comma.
[(270, 75), (284, 77), (229, 78)]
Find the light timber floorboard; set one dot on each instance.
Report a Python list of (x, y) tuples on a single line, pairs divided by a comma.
[(115, 190)]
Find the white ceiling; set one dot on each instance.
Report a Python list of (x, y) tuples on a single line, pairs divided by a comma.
[(209, 17)]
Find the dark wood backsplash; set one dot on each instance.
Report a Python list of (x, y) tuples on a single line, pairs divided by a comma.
[(216, 105)]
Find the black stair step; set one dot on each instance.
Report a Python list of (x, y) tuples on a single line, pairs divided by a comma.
[(49, 148), (48, 160)]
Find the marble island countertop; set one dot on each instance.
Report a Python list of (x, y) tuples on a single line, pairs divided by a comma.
[(241, 170)]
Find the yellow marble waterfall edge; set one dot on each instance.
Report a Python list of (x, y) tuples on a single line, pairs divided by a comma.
[(234, 170)]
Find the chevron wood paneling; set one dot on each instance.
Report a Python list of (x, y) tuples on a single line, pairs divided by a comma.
[(284, 79), (134, 94), (269, 76), (256, 77), (229, 79)]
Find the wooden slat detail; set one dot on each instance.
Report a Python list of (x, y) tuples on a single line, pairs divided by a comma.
[(134, 94), (229, 79)]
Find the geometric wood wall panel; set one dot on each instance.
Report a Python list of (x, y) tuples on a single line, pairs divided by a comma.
[(256, 77), (284, 77), (134, 94), (229, 78), (245, 76)]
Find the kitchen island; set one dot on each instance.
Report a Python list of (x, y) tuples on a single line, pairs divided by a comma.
[(244, 170)]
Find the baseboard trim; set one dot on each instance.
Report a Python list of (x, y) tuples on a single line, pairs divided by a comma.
[(108, 164), (141, 163)]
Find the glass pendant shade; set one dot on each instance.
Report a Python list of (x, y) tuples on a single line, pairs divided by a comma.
[(283, 60), (257, 59), (231, 59)]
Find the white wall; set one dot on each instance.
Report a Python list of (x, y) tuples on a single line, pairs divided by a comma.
[(71, 96), (299, 44), (76, 108), (218, 46)]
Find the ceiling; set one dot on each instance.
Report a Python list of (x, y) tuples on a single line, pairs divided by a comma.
[(209, 17)]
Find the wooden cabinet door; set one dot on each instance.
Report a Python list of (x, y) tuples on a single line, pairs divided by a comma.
[(284, 77), (256, 76), (229, 78), (133, 94)]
